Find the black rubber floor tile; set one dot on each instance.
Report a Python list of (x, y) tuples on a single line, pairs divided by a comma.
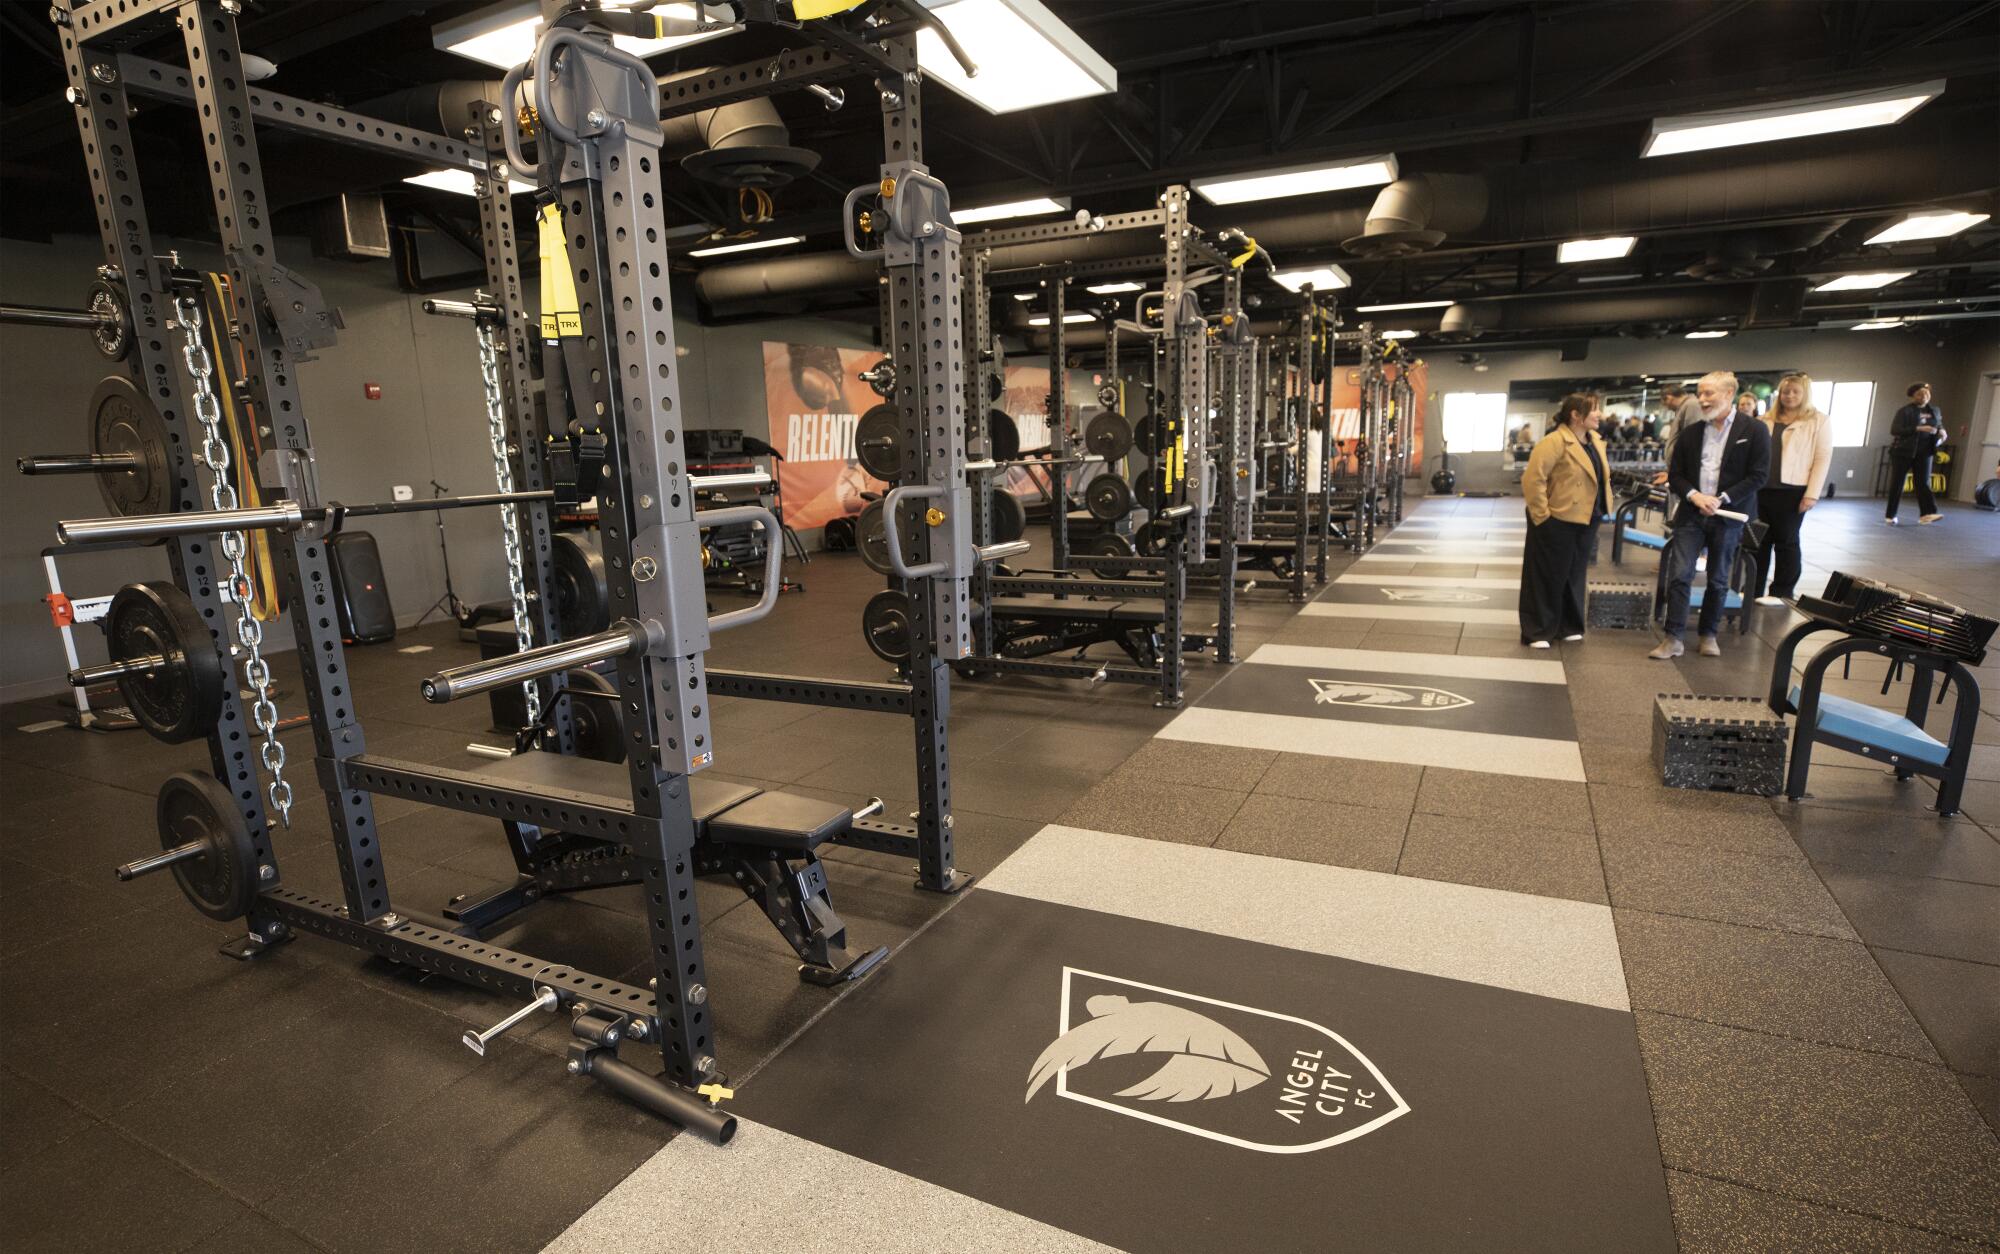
[(980, 842), (1684, 816), (1509, 854), (1721, 885), (1343, 781), (367, 1060), (1623, 729), (869, 771), (1507, 798), (1314, 831), (57, 910), (1023, 792), (1627, 765), (1985, 1094), (1073, 742), (1325, 633), (61, 1199), (1810, 987), (36, 1118), (87, 839), (1954, 849), (1716, 1217), (1958, 1004), (1868, 788), (21, 785), (518, 1148), (1928, 916), (1981, 802), (758, 1002), (785, 756), (1141, 805), (1227, 767), (1883, 1136), (739, 714), (253, 1233)]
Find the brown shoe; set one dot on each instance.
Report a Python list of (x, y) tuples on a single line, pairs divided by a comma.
[(1668, 649), (1711, 647)]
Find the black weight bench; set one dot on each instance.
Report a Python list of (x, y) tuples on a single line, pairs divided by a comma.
[(1075, 609)]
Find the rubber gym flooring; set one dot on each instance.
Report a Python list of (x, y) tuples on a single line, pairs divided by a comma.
[(1389, 940)]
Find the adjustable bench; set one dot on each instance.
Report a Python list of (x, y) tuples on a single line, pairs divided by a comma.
[(1076, 609)]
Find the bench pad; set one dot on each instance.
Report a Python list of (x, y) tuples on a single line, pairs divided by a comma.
[(781, 821), (1853, 720)]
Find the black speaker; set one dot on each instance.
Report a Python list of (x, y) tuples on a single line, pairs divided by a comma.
[(360, 590), (1777, 302)]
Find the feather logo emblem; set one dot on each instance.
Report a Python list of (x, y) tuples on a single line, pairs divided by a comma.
[(1413, 698), (1226, 1072)]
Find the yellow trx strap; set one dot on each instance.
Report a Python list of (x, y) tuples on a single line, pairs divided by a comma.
[(1249, 250), (559, 305), (807, 10)]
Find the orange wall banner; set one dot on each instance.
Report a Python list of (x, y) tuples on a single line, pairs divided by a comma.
[(1347, 416), (813, 400)]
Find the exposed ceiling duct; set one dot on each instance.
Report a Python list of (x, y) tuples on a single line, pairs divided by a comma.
[(1415, 214), (1747, 254)]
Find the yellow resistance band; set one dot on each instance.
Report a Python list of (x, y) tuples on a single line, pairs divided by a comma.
[(243, 450), (559, 304)]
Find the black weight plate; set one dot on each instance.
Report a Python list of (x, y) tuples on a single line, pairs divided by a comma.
[(1146, 489), (593, 716), (1003, 438), (181, 699), (196, 808), (114, 336), (878, 443), (995, 386), (1107, 395), (583, 592), (1108, 435), (1108, 498), (1146, 434), (1010, 517), (885, 624), (123, 420), (1108, 544)]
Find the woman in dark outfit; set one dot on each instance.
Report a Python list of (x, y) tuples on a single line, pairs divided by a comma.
[(1914, 435), (1568, 488)]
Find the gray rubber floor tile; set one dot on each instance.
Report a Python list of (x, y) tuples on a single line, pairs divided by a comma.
[(1811, 987), (1958, 1004), (1628, 765), (1953, 849), (1508, 854), (1928, 916), (1020, 791), (1715, 1217), (1869, 788), (1343, 781), (37, 1119), (1985, 1094), (1315, 831), (1721, 885), (1397, 642), (253, 1233), (1815, 1122), (1507, 798), (1685, 816), (59, 1199), (1226, 767), (1142, 805)]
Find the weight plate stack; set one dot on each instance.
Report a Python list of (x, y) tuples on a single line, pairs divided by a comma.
[(123, 420), (885, 624), (180, 699), (1108, 498), (1108, 435), (878, 443), (583, 591), (1108, 544), (593, 716), (196, 809)]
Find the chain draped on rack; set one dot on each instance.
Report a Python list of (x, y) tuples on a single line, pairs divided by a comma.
[(235, 547), (510, 516)]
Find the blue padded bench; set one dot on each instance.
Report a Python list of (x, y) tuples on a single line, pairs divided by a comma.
[(1730, 604), (1880, 733), (1644, 539)]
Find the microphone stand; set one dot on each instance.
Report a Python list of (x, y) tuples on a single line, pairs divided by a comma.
[(449, 602)]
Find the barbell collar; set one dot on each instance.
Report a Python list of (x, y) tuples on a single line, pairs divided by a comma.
[(84, 676), (78, 464), (624, 637), (1005, 549)]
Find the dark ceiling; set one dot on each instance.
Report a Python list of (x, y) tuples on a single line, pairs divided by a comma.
[(1546, 102)]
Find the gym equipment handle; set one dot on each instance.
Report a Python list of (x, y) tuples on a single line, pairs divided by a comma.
[(78, 463), (890, 500), (39, 316), (774, 557), (545, 999), (461, 308), (84, 676), (161, 861), (470, 680), (1005, 549)]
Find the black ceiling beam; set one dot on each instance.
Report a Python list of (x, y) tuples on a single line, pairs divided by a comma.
[(1652, 52), (1361, 100), (1192, 139), (1341, 33), (1925, 34)]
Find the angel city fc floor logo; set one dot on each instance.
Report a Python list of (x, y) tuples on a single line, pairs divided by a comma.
[(1215, 1069), (1413, 697)]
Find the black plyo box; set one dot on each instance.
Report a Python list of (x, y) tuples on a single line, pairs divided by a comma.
[(1619, 606), (1719, 744)]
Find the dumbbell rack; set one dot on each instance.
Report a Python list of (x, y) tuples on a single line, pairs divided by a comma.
[(622, 365)]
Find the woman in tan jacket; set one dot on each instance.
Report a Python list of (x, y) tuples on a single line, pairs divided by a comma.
[(1801, 453), (1568, 489)]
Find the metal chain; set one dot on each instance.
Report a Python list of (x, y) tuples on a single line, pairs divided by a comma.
[(235, 547), (510, 515)]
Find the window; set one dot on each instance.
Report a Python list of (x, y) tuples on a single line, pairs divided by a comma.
[(1475, 422), (1846, 406)]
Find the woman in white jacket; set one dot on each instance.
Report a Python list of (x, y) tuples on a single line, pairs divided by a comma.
[(1801, 452)]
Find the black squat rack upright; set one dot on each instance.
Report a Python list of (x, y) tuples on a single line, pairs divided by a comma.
[(572, 822)]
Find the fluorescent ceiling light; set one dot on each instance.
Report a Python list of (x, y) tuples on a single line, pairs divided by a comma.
[(1112, 289), (1042, 320), (1819, 115), (1024, 296), (1606, 278), (1928, 226), (1012, 209), (1026, 56), (1323, 278), (1605, 249), (504, 35), (1706, 335), (461, 182), (1399, 335), (1863, 282), (1298, 180), (1408, 304), (1880, 324), (745, 247)]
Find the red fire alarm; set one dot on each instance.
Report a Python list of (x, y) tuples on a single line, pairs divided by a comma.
[(371, 391)]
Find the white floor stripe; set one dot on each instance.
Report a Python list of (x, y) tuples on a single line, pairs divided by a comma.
[(1486, 752), (1409, 665), (1444, 559), (1414, 613), (1450, 542), (1541, 945), (1428, 581), (768, 1190)]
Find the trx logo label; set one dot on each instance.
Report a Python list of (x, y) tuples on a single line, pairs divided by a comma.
[(1416, 698), (1225, 1072), (1435, 596)]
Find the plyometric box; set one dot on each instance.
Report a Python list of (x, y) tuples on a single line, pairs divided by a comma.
[(1719, 744), (1620, 606)]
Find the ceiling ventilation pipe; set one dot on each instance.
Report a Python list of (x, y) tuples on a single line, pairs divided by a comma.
[(1414, 215)]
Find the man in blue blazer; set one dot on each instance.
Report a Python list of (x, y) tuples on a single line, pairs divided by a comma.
[(1714, 470)]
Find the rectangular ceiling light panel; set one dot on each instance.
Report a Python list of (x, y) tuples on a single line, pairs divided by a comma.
[(1025, 54), (1863, 282), (1042, 320), (1322, 278), (1012, 209), (1928, 226), (747, 246), (1112, 289), (461, 182), (1606, 249), (504, 35), (1301, 180), (1818, 115), (1408, 304)]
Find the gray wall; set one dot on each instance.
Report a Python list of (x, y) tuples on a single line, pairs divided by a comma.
[(1891, 359)]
